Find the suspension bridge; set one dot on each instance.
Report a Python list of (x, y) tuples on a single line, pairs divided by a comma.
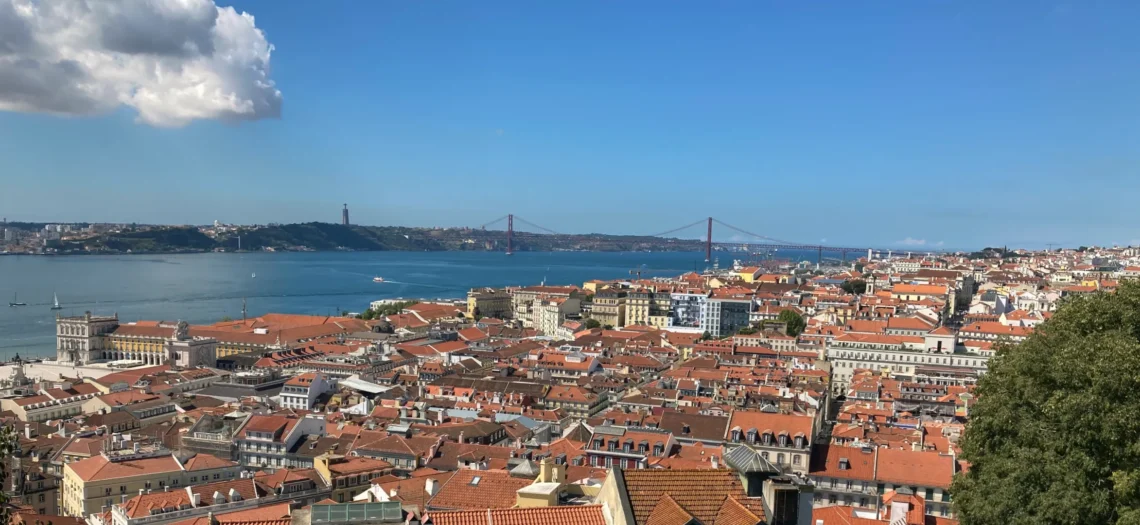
[(754, 243)]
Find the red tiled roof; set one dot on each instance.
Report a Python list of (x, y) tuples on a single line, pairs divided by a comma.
[(668, 512), (270, 515), (566, 515), (207, 462), (478, 489), (646, 488), (907, 467), (101, 468), (827, 459)]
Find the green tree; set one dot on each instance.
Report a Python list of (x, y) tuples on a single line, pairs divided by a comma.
[(859, 267), (795, 322), (593, 323), (608, 327), (747, 330), (226, 318), (1054, 437), (706, 336), (854, 286)]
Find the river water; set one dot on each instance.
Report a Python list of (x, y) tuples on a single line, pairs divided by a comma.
[(204, 288)]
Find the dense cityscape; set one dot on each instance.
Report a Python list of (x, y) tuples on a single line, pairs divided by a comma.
[(787, 393), (569, 263)]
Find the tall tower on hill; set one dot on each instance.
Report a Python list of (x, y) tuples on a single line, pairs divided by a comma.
[(344, 215)]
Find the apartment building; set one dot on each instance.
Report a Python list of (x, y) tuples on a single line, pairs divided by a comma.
[(269, 441), (609, 308), (905, 357), (784, 440), (724, 316), (861, 476), (488, 302), (94, 484), (301, 392)]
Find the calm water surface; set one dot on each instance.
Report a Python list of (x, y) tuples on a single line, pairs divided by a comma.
[(203, 288)]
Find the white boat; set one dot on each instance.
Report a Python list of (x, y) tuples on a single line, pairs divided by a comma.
[(55, 302), (16, 301), (377, 279)]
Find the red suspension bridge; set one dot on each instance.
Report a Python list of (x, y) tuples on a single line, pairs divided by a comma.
[(755, 242)]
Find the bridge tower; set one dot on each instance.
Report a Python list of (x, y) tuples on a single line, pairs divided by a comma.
[(708, 243), (510, 232)]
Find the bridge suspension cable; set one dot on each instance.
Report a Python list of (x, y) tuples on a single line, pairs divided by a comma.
[(488, 223), (535, 226), (675, 230), (758, 236)]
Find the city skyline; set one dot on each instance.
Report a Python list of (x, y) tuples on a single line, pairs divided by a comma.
[(923, 125)]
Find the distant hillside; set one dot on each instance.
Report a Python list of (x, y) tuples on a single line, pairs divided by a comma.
[(316, 236)]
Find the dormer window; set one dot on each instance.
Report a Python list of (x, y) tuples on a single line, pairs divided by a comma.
[(844, 464), (685, 430)]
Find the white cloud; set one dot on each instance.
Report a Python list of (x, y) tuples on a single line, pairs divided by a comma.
[(909, 241), (823, 240), (173, 61)]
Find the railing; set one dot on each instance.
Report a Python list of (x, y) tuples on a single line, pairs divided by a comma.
[(210, 436)]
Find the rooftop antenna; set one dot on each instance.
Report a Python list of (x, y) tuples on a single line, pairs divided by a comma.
[(243, 308)]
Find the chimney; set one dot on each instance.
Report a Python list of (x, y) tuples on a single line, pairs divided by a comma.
[(196, 499), (461, 436), (141, 492), (62, 431), (430, 486), (136, 447), (28, 431), (715, 462), (544, 474)]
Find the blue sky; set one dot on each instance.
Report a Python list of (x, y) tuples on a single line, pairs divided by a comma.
[(891, 123)]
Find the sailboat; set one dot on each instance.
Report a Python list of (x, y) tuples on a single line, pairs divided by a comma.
[(55, 302), (16, 300)]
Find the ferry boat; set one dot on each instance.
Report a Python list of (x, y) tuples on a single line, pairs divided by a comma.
[(377, 279)]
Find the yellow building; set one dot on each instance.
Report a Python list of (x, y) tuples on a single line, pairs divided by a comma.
[(94, 484), (350, 476), (140, 342), (609, 308), (488, 302), (749, 273), (637, 305)]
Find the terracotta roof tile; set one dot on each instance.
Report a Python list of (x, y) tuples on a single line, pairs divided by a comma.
[(646, 488), (570, 515), (668, 512), (478, 489)]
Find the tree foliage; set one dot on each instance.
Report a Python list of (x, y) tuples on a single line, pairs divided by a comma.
[(593, 323), (387, 309), (1054, 437), (854, 286), (795, 322)]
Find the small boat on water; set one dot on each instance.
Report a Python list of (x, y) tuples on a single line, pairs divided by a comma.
[(16, 301), (55, 302), (377, 279)]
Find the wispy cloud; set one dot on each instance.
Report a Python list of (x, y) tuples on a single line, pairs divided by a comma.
[(910, 241), (939, 243), (823, 239)]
